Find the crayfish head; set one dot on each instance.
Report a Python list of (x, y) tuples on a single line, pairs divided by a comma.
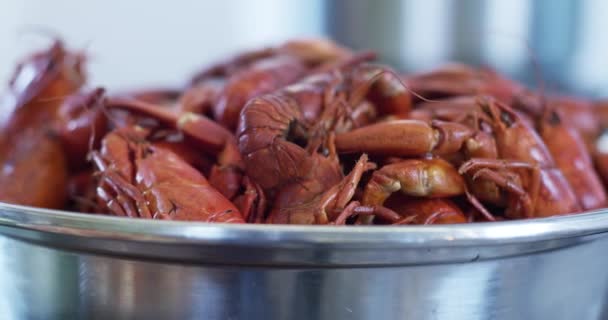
[(53, 73), (500, 118), (80, 125)]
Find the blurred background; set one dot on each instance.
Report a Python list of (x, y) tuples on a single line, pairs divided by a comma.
[(152, 43)]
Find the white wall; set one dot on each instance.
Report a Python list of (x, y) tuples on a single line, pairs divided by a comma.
[(145, 42)]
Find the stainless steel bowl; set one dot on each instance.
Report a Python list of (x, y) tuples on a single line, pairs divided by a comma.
[(63, 265)]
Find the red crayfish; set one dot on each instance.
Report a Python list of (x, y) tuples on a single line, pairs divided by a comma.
[(306, 132)]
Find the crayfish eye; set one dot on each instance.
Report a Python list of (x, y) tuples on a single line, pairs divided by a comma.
[(51, 65), (324, 151), (147, 151), (52, 62), (506, 118), (296, 133), (554, 118)]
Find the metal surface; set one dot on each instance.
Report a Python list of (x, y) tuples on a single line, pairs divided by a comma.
[(61, 265)]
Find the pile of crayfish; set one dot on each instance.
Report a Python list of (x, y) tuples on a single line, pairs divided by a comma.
[(306, 132)]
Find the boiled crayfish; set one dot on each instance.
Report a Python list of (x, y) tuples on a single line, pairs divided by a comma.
[(307, 132)]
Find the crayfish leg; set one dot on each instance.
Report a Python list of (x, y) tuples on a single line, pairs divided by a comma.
[(478, 205), (479, 163), (346, 213), (371, 212)]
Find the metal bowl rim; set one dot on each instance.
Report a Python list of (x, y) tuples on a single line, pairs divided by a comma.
[(107, 227)]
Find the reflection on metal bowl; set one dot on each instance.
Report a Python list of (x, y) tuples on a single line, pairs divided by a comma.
[(62, 265)]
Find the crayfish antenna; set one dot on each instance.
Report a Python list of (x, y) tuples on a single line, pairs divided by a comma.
[(40, 30), (382, 71)]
